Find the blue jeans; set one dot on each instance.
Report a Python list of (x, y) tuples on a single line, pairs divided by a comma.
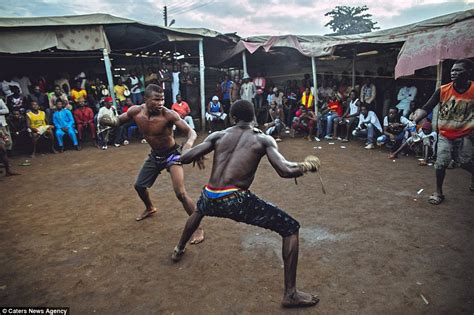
[(368, 133), (330, 118), (137, 98)]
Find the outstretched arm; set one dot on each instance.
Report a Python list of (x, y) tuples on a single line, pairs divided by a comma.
[(284, 168), (184, 128), (200, 150), (428, 107)]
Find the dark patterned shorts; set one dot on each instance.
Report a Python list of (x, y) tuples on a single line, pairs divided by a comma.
[(243, 206)]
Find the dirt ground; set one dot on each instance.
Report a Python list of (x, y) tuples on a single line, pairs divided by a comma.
[(371, 245)]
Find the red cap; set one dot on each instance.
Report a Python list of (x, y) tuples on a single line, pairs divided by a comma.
[(108, 99)]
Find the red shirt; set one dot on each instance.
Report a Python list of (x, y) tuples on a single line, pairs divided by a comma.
[(83, 115), (182, 109), (335, 106)]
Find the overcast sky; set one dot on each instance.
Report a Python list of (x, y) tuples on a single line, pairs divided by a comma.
[(246, 17)]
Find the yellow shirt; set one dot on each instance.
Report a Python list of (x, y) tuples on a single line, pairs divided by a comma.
[(76, 95), (37, 120), (119, 92)]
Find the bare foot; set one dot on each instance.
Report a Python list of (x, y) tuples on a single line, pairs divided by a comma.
[(54, 151), (177, 254), (299, 299), (198, 236), (147, 213), (392, 156), (11, 174)]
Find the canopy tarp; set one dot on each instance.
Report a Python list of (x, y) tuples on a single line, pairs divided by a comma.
[(424, 43), (81, 32)]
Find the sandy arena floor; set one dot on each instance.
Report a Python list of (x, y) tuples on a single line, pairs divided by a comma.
[(372, 245)]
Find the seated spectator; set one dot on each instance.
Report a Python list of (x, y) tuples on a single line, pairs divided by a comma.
[(64, 123), (16, 101), (18, 129), (78, 91), (104, 131), (183, 110), (394, 127), (275, 127), (350, 117), (332, 115), (40, 98), (58, 94), (304, 121), (5, 141), (214, 113), (307, 99), (426, 138), (367, 126), (406, 95), (84, 117), (38, 127)]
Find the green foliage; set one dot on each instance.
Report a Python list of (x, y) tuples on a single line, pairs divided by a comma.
[(346, 20)]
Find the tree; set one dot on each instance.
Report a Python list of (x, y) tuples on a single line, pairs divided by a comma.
[(346, 20)]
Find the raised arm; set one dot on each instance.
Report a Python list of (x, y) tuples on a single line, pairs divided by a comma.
[(201, 149)]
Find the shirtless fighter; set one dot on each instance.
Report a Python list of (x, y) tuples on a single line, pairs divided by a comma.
[(156, 122), (237, 153)]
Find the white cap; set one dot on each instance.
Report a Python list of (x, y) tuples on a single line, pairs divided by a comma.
[(215, 98)]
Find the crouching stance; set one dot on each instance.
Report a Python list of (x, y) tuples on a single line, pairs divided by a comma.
[(156, 123), (237, 153)]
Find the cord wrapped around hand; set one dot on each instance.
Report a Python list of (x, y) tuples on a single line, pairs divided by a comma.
[(312, 164), (107, 120)]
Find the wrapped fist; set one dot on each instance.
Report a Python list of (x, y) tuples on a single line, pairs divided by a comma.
[(311, 164), (106, 120)]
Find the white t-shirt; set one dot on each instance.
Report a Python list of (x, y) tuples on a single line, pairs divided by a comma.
[(134, 83), (353, 108), (371, 118), (25, 84), (403, 120), (6, 87), (3, 112), (112, 112)]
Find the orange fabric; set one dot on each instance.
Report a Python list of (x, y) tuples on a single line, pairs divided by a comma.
[(456, 112), (335, 106), (183, 110)]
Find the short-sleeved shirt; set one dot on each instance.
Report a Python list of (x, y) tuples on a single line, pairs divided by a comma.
[(76, 95), (120, 92), (182, 109)]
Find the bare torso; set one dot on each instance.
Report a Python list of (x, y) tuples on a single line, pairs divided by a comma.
[(238, 151), (157, 129)]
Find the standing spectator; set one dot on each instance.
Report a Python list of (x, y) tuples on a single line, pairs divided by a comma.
[(25, 84), (183, 110), (185, 82), (7, 85), (121, 90), (84, 117), (78, 92), (175, 84), (4, 125), (16, 101), (164, 77), (368, 124), (64, 124), (260, 84), (405, 96), (194, 97), (368, 94), (38, 127), (4, 143), (235, 89), (226, 87), (248, 89), (151, 77), (135, 85)]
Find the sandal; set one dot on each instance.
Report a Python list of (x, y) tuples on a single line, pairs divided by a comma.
[(436, 199)]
